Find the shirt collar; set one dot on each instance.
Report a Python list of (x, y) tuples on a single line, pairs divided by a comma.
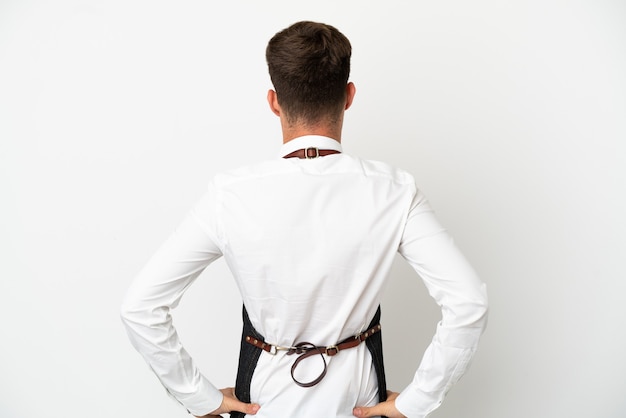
[(306, 141)]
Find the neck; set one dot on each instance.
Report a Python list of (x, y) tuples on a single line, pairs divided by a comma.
[(288, 136), (330, 130)]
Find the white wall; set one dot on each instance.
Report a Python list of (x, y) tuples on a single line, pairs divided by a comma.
[(512, 116)]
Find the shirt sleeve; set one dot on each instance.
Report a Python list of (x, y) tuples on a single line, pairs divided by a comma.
[(456, 288), (155, 291)]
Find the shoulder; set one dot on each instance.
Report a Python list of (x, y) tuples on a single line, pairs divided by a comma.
[(385, 170), (250, 172)]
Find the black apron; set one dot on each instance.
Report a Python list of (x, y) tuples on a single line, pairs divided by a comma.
[(249, 356)]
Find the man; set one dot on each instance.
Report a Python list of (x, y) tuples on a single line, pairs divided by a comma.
[(310, 239)]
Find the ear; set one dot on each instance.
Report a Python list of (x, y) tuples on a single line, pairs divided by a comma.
[(350, 92), (272, 99)]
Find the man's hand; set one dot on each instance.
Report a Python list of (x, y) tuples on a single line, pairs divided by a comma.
[(231, 403), (387, 408)]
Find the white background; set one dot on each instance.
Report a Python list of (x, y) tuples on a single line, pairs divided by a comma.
[(511, 115)]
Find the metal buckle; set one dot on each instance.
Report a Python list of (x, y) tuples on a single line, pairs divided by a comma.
[(332, 347), (276, 348), (306, 153)]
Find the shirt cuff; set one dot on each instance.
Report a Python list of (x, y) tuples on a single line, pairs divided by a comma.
[(415, 403), (207, 399)]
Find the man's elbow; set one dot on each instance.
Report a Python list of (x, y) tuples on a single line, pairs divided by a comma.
[(131, 312), (481, 308), (127, 312), (473, 312), (482, 312)]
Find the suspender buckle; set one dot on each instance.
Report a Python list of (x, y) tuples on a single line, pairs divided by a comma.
[(314, 153)]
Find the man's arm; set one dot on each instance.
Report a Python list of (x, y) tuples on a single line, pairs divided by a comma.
[(155, 291), (456, 288)]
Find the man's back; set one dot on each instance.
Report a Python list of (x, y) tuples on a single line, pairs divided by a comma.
[(310, 242)]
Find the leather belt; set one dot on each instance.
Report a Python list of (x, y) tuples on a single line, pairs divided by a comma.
[(311, 152), (306, 349)]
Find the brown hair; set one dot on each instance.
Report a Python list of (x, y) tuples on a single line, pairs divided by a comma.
[(309, 65)]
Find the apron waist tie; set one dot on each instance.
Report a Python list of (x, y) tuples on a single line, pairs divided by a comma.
[(306, 350)]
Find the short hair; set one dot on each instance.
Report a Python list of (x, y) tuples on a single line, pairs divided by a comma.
[(309, 65)]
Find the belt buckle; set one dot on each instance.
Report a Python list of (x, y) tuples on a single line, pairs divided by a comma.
[(331, 353), (315, 154)]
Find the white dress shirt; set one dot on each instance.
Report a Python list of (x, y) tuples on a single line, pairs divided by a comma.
[(310, 243)]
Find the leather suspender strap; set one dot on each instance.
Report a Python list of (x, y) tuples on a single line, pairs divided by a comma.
[(311, 152), (306, 350)]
